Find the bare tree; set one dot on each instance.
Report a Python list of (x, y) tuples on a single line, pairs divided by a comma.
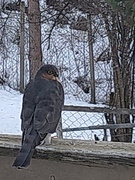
[(121, 38)]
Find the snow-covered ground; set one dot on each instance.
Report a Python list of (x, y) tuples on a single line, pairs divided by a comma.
[(10, 123), (10, 106)]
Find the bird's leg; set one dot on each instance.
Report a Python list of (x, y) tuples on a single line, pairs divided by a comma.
[(47, 140)]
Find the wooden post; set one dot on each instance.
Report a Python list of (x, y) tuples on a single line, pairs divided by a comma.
[(91, 58), (22, 11)]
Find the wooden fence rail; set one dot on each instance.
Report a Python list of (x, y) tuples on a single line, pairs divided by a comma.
[(108, 126), (99, 109)]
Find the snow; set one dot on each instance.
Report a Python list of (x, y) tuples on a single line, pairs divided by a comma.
[(10, 122), (10, 107)]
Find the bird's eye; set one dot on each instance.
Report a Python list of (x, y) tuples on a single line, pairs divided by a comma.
[(49, 72)]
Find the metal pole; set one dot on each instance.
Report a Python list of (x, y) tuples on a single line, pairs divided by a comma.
[(91, 58), (22, 10)]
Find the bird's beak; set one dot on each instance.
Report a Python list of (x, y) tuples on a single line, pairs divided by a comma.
[(56, 79)]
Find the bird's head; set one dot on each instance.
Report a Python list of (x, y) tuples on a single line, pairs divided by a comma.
[(48, 72)]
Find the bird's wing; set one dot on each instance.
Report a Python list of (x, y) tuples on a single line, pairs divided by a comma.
[(30, 137), (48, 108), (42, 105), (28, 106)]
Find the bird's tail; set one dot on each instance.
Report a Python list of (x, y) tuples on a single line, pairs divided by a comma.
[(26, 152)]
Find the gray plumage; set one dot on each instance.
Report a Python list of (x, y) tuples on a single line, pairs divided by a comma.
[(41, 110)]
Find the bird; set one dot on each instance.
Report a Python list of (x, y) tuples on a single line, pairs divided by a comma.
[(42, 104)]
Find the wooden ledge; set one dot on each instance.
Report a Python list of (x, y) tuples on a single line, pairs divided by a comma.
[(88, 153)]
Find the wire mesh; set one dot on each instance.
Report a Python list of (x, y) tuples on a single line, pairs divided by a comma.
[(82, 119), (67, 48), (95, 126)]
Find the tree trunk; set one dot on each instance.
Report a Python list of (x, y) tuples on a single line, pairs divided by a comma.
[(121, 39), (35, 51)]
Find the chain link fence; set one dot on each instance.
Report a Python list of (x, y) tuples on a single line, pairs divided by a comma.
[(66, 46), (91, 123), (83, 119)]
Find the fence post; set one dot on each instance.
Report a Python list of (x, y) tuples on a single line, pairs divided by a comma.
[(91, 59), (22, 11)]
